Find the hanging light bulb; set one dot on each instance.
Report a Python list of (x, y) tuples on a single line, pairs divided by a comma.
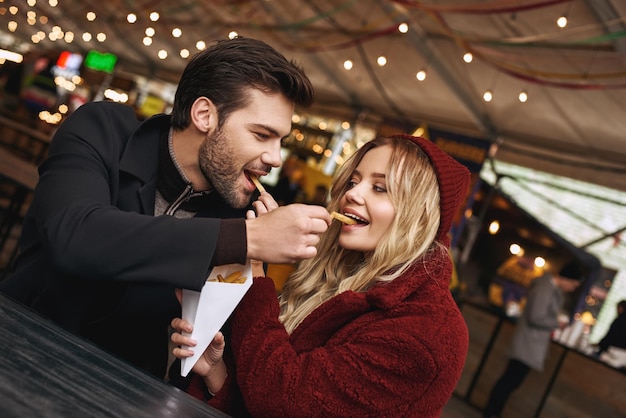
[(523, 96), (515, 249), (468, 57), (561, 22), (540, 262), (347, 64), (488, 96), (421, 75), (382, 60)]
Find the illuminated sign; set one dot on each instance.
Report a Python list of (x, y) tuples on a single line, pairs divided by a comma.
[(69, 61), (100, 61)]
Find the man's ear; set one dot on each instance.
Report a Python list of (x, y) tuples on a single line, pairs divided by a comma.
[(204, 114)]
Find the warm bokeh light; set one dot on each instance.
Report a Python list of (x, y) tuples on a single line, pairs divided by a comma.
[(540, 262), (515, 249), (523, 96)]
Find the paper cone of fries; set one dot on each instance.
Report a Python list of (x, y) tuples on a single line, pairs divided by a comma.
[(209, 309)]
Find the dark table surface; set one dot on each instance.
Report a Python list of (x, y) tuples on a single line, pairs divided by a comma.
[(47, 372)]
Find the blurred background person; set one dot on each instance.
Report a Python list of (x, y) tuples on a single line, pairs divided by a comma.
[(616, 335), (290, 185), (532, 337)]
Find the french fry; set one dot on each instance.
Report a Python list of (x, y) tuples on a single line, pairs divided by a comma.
[(235, 277), (257, 183), (342, 218)]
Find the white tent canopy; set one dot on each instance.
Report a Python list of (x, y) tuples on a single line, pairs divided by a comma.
[(572, 124)]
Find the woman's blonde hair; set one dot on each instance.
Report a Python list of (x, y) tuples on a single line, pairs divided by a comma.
[(414, 192)]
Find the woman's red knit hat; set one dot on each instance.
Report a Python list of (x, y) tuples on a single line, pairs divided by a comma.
[(453, 178)]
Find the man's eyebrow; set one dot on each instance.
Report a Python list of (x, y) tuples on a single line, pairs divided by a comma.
[(268, 128)]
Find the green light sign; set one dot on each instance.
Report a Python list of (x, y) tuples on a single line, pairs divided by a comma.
[(100, 61)]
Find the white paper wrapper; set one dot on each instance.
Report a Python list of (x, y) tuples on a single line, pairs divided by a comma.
[(209, 309)]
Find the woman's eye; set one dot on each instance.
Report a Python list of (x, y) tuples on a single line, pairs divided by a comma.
[(380, 189), (351, 184)]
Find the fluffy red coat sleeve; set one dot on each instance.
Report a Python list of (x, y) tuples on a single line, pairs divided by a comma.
[(375, 366)]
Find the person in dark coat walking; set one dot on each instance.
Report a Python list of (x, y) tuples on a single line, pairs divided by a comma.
[(616, 335)]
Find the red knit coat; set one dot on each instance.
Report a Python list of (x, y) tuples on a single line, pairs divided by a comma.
[(396, 350)]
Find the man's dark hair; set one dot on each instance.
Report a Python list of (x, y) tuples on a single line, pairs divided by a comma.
[(225, 71)]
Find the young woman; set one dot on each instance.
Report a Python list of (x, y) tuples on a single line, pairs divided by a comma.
[(367, 327)]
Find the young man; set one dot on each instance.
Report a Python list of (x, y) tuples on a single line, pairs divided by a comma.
[(125, 212)]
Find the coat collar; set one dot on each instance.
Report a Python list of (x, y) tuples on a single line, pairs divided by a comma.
[(141, 155), (421, 278), (435, 270)]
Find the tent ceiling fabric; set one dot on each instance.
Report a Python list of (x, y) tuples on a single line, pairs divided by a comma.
[(573, 123)]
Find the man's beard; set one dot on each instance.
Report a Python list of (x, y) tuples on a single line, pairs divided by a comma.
[(218, 165)]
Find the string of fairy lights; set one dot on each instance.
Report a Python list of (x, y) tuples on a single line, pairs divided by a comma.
[(500, 54)]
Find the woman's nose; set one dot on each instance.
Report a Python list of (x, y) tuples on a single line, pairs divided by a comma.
[(355, 194)]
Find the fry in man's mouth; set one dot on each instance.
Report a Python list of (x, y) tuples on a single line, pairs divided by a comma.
[(257, 183)]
